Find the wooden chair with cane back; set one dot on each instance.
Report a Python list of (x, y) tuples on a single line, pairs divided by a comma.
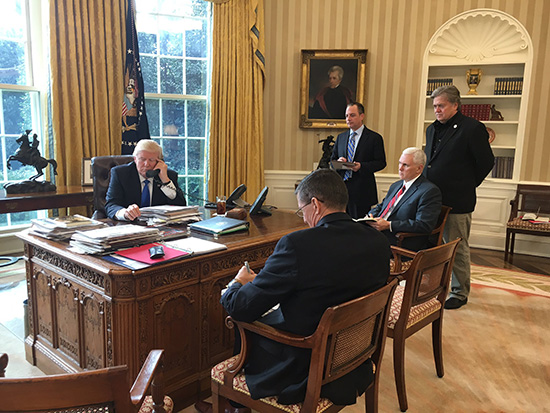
[(419, 303), (347, 336)]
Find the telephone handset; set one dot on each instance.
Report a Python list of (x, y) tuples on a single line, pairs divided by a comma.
[(154, 172), (235, 197)]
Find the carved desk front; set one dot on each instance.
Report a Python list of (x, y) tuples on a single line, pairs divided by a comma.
[(88, 313)]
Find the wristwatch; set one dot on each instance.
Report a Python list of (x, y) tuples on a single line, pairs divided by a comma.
[(166, 183)]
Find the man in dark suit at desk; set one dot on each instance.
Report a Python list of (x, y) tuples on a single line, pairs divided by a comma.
[(332, 262), (137, 184), (365, 148), (412, 204)]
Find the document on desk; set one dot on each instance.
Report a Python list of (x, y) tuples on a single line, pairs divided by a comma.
[(220, 225), (197, 246), (142, 254)]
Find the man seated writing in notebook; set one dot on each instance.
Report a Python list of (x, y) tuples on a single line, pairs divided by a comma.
[(412, 204), (138, 184), (333, 261)]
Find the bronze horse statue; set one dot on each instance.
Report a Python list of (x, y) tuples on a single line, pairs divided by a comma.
[(29, 154)]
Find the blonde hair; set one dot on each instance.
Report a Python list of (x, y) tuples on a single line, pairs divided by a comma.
[(148, 145)]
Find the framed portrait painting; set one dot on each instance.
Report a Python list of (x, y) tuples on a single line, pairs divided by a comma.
[(330, 80)]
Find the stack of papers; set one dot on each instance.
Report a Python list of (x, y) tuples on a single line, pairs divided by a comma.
[(219, 225), (62, 228), (109, 239), (170, 214)]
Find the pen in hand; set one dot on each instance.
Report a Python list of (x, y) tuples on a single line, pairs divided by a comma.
[(247, 266)]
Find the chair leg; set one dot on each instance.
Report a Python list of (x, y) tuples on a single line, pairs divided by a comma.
[(437, 343), (507, 245), (371, 397), (399, 370), (217, 400), (512, 244), (217, 404)]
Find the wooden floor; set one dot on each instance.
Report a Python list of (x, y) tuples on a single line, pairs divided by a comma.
[(528, 263)]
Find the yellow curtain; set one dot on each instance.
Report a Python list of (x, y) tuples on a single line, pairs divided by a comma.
[(87, 65), (236, 126)]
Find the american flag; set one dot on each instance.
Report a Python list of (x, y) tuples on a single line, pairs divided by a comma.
[(134, 118)]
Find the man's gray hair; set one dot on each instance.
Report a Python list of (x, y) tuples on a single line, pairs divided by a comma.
[(148, 145), (451, 93), (325, 185), (419, 157), (337, 69)]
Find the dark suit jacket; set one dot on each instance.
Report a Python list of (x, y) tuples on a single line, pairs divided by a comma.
[(461, 162), (417, 211), (125, 189), (309, 271), (362, 185)]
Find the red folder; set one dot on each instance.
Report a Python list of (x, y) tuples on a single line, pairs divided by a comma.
[(141, 254)]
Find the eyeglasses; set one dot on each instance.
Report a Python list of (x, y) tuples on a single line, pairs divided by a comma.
[(300, 212)]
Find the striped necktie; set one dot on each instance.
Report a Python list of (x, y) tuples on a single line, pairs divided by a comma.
[(389, 208), (351, 154), (145, 194)]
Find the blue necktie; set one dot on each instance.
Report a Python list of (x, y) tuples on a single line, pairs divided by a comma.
[(351, 153), (145, 195)]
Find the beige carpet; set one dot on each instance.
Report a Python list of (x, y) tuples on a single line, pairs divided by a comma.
[(496, 350)]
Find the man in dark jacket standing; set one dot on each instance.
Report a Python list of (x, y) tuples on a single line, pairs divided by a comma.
[(365, 148), (459, 159)]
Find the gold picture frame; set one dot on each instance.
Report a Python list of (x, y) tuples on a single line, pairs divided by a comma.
[(318, 67), (87, 176)]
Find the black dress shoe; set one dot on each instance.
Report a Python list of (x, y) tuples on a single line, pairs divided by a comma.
[(453, 303)]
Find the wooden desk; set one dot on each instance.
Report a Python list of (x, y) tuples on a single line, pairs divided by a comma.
[(65, 196), (87, 313)]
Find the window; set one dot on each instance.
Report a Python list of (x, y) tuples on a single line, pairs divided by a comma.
[(19, 94), (174, 45)]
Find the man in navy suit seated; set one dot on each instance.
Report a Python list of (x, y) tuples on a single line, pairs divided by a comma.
[(333, 261), (128, 189), (412, 204)]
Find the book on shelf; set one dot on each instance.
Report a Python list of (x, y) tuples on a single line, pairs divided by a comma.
[(508, 85), (479, 111), (219, 225), (433, 84), (504, 167)]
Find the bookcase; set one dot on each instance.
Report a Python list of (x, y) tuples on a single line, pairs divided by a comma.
[(499, 46)]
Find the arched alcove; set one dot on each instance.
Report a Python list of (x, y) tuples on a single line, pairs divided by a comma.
[(496, 44)]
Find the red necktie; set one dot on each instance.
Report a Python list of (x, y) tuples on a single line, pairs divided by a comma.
[(392, 202)]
